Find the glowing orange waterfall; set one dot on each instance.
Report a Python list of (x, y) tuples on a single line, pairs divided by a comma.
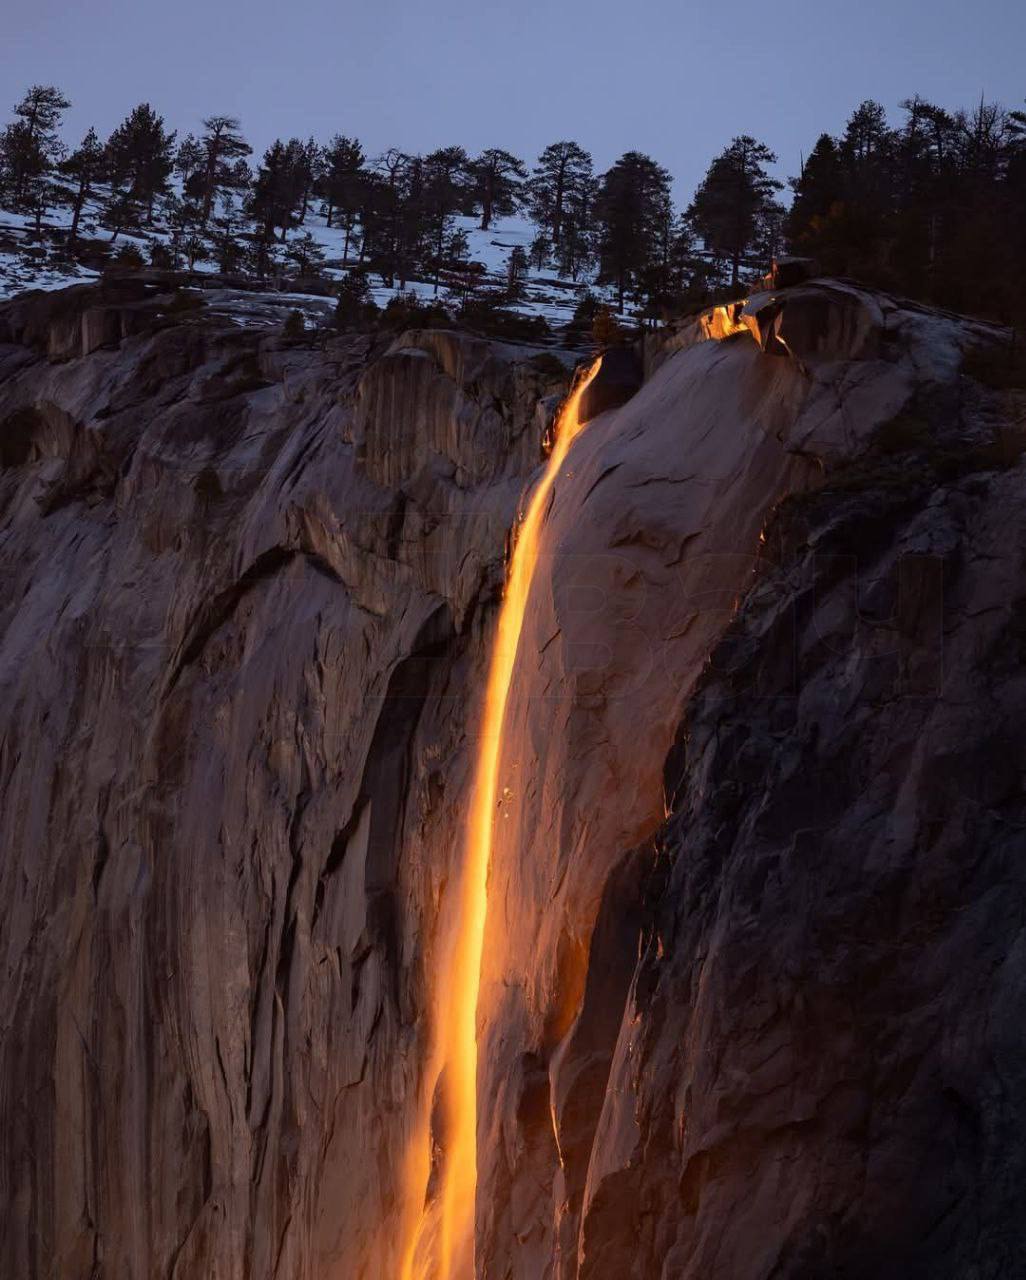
[(441, 1245)]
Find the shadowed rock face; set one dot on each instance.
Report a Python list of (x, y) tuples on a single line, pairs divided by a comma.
[(618, 378), (752, 954), (243, 621), (826, 1018)]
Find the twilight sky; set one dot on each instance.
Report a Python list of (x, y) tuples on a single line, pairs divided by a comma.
[(674, 78)]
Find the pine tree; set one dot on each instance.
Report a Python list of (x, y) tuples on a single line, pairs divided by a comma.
[(372, 215), (278, 191), (498, 178), (228, 225), (354, 307), (982, 240), (42, 195), (30, 146), (222, 147), (41, 110), (180, 216), (817, 189), (385, 213), (412, 242), (732, 200), (540, 251), (920, 147), (84, 166), (679, 274), (516, 269), (305, 254), (562, 174), (1015, 190), (458, 248), (933, 208), (22, 161), (195, 248), (632, 212), (867, 135), (576, 252), (189, 165), (129, 258), (920, 160), (140, 154), (309, 171), (836, 215), (867, 152), (341, 185), (445, 192)]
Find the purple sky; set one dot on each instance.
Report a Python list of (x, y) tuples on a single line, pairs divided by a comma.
[(671, 77)]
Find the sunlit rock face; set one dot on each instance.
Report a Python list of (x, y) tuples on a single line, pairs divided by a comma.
[(750, 1001), (672, 1045)]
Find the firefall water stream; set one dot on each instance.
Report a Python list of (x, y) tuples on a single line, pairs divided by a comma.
[(439, 1242)]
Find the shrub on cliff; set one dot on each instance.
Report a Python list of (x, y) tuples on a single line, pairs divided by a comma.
[(129, 258), (605, 331), (185, 300), (160, 257), (406, 311), (294, 326), (484, 315), (355, 308)]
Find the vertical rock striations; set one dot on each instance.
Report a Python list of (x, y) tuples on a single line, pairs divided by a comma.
[(243, 621), (752, 949)]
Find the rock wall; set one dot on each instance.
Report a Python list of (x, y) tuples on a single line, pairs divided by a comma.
[(657, 535), (820, 1060), (242, 629), (819, 1067), (751, 961)]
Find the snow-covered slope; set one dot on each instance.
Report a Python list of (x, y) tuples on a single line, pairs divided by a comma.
[(28, 261)]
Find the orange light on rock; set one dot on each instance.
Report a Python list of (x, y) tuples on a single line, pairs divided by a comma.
[(441, 1246), (724, 322)]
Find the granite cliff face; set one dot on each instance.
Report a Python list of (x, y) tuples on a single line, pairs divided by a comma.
[(245, 609), (751, 959)]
